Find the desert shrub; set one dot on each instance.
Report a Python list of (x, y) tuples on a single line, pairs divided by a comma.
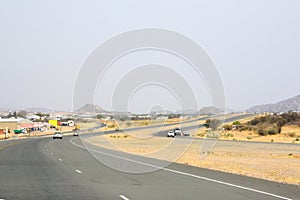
[(262, 132), (292, 134), (254, 121), (265, 129), (201, 134), (227, 127), (242, 128), (111, 126), (236, 123), (272, 131), (212, 123), (228, 135)]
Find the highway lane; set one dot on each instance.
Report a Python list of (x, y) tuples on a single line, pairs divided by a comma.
[(193, 127), (185, 128), (42, 168)]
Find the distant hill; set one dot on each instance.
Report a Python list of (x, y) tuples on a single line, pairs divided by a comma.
[(90, 108), (291, 104), (210, 110)]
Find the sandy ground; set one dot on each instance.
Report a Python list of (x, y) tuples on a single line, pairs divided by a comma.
[(289, 134), (270, 161)]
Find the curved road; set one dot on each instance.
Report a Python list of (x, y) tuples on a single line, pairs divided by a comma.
[(42, 168), (193, 127)]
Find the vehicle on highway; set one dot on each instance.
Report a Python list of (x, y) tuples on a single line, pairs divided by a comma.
[(186, 134), (76, 133), (177, 131), (57, 135), (171, 134)]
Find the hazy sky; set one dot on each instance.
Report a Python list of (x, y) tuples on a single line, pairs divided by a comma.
[(255, 46)]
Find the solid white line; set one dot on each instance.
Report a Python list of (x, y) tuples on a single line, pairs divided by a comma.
[(123, 197), (186, 174), (51, 153), (60, 159), (78, 171)]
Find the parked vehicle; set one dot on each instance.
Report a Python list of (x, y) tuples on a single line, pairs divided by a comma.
[(18, 131)]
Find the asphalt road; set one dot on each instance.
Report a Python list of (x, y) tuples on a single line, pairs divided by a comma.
[(193, 127), (42, 168)]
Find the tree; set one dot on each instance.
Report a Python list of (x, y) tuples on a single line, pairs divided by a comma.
[(212, 123)]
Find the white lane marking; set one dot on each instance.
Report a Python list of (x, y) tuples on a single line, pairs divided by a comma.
[(185, 174), (123, 197), (78, 171), (51, 153), (60, 159)]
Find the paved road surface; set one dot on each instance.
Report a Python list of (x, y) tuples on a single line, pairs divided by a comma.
[(42, 168), (193, 127)]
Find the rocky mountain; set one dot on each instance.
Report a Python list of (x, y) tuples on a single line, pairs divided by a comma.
[(90, 108), (291, 104), (210, 110)]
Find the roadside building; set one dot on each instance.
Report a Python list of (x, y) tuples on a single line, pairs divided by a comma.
[(71, 123), (53, 123), (33, 117), (13, 123)]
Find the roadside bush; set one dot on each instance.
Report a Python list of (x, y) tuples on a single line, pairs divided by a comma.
[(228, 135), (236, 123), (266, 129), (111, 126), (262, 132), (212, 123), (227, 127), (201, 134), (254, 121), (292, 134), (272, 132)]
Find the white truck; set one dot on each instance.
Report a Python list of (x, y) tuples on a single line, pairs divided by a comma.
[(177, 131)]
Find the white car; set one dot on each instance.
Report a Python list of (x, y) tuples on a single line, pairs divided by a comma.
[(75, 133), (171, 134), (57, 135), (186, 134)]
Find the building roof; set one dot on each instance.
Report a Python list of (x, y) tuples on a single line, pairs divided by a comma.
[(17, 120)]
